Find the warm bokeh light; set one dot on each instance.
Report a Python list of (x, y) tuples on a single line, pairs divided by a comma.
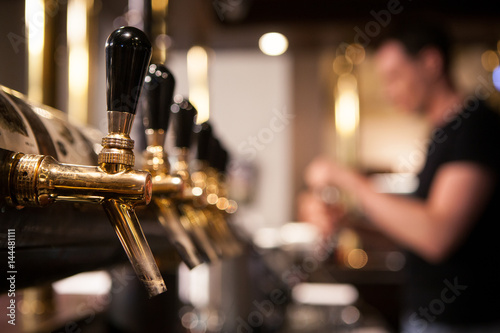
[(197, 67), (212, 198), (489, 60), (197, 191), (222, 203), (35, 29), (78, 68), (342, 65), (356, 53), (346, 119), (273, 43), (232, 207), (346, 106), (357, 259)]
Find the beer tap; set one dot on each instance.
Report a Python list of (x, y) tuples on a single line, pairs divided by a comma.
[(156, 99), (40, 180), (183, 121), (211, 162)]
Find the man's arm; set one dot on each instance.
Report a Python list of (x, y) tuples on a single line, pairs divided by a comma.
[(431, 228)]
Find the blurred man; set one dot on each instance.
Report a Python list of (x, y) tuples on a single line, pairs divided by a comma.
[(450, 227)]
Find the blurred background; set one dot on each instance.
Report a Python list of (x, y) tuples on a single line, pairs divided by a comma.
[(281, 81)]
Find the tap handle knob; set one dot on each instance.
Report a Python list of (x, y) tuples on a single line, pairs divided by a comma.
[(183, 121), (213, 152), (128, 51), (156, 99), (203, 136), (223, 160), (218, 155)]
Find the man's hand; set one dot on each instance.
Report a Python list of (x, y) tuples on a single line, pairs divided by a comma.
[(313, 209)]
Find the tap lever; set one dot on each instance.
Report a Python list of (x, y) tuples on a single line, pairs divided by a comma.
[(159, 85), (218, 155), (204, 135), (183, 121), (128, 51), (223, 160)]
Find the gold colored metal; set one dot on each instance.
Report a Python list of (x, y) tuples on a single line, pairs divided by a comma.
[(215, 215), (129, 231), (195, 227), (156, 159), (159, 10), (165, 187), (167, 184), (180, 239), (40, 180), (174, 199), (120, 122), (115, 160), (186, 201), (117, 145), (155, 139)]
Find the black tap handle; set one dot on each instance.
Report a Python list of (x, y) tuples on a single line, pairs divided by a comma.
[(223, 160), (203, 134), (183, 121), (213, 151), (218, 155), (156, 97), (128, 52)]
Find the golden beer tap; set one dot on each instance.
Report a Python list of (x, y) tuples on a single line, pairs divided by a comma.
[(183, 119), (156, 99), (209, 179), (40, 180)]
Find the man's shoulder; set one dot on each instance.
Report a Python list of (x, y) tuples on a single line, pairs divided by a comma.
[(479, 117)]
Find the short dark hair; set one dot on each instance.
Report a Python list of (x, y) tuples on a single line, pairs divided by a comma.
[(417, 35)]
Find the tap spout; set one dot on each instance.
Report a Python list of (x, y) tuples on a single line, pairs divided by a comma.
[(127, 227), (179, 237)]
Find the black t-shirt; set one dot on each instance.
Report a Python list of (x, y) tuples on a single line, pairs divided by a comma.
[(465, 288)]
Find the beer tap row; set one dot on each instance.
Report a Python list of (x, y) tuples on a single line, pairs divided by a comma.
[(187, 192)]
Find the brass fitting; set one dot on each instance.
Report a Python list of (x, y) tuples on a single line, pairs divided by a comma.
[(39, 180)]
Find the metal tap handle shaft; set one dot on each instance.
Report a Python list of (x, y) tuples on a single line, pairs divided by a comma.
[(128, 51), (157, 94), (183, 120)]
